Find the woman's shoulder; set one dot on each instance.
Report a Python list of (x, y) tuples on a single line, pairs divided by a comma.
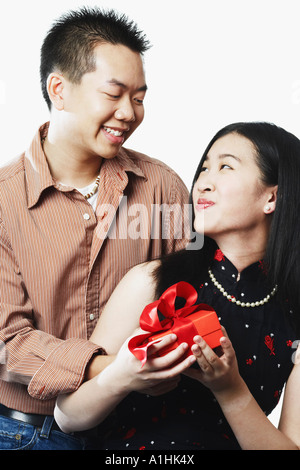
[(142, 275)]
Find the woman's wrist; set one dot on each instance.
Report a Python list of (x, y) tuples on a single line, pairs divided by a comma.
[(234, 398), (114, 382)]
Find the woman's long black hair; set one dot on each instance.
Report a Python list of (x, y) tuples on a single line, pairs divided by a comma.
[(278, 157)]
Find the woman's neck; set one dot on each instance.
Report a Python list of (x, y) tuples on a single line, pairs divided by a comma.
[(243, 253), (242, 261)]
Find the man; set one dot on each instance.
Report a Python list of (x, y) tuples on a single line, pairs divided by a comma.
[(76, 212)]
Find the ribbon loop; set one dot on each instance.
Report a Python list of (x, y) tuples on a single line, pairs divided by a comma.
[(173, 319), (181, 289)]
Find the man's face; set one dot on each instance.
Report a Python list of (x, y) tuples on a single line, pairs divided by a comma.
[(101, 112)]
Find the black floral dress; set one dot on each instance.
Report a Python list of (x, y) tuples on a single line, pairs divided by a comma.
[(189, 417)]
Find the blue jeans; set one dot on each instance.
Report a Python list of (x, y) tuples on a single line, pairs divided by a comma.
[(16, 435)]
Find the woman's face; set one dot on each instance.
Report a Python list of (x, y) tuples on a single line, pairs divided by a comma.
[(229, 196)]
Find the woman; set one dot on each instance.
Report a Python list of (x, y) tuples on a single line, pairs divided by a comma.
[(246, 198)]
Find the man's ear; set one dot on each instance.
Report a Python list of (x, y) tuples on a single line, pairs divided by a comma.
[(55, 86), (271, 202)]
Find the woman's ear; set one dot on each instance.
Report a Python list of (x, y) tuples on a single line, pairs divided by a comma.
[(55, 86), (271, 202)]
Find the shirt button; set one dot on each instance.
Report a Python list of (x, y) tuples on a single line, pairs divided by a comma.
[(86, 216), (92, 316)]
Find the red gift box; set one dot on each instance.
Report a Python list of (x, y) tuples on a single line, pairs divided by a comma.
[(186, 322)]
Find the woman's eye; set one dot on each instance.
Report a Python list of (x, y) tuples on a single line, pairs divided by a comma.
[(204, 168), (226, 166)]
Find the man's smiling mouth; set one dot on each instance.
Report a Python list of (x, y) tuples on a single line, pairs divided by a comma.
[(113, 131)]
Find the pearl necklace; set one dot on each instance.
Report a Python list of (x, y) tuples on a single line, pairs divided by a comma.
[(95, 187), (238, 302)]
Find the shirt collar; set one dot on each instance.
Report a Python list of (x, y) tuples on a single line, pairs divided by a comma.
[(224, 266), (127, 164), (117, 169), (37, 172), (39, 178)]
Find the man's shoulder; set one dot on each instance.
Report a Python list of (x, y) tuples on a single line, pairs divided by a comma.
[(11, 169)]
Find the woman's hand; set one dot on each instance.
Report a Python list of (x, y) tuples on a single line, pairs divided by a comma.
[(217, 373), (129, 375)]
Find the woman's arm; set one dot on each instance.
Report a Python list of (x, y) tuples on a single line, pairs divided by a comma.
[(120, 317), (252, 428), (96, 398), (290, 416)]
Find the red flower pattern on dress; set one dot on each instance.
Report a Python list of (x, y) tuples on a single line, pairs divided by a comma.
[(289, 343), (131, 432), (262, 266), (219, 256), (277, 395), (269, 342), (249, 362)]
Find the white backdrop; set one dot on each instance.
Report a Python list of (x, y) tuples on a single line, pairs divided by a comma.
[(212, 63)]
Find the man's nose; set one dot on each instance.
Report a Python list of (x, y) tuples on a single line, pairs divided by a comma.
[(125, 112)]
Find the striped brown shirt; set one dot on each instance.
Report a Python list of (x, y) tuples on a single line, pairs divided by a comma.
[(60, 261)]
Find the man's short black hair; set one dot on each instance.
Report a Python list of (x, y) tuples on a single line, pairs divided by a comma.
[(69, 44)]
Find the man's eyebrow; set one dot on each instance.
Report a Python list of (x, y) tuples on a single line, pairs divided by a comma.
[(116, 82)]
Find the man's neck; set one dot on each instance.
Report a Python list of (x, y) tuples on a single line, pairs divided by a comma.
[(66, 168)]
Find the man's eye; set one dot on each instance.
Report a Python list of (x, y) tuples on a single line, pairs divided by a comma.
[(114, 97)]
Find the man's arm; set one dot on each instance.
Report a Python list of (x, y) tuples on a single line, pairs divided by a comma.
[(46, 364)]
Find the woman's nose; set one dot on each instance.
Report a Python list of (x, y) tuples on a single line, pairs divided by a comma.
[(204, 183)]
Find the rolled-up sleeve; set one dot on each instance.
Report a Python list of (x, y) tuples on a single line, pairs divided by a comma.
[(63, 370), (30, 356)]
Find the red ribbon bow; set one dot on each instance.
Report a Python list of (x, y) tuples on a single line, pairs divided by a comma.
[(176, 320)]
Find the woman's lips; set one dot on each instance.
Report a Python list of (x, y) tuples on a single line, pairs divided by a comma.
[(204, 204)]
